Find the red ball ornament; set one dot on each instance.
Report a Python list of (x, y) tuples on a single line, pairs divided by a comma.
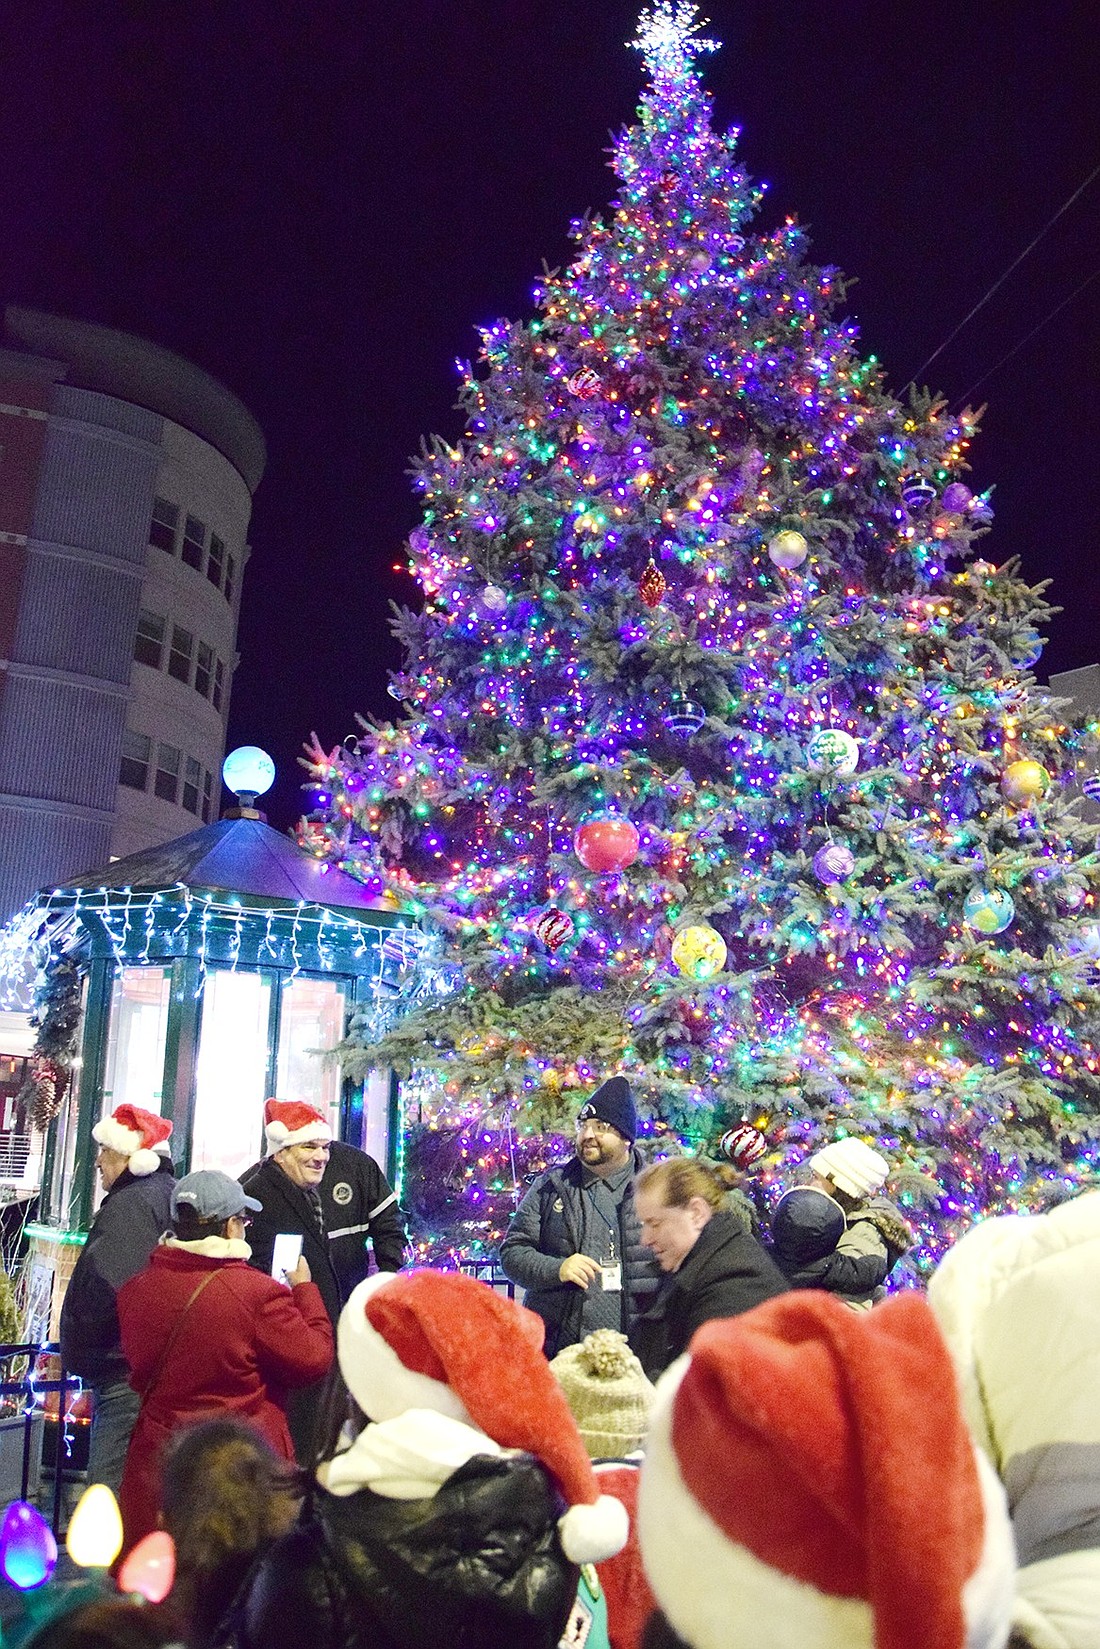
[(743, 1146), (554, 928), (585, 384), (651, 585), (606, 843)]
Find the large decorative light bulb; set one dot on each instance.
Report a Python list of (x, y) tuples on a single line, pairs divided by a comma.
[(94, 1539)]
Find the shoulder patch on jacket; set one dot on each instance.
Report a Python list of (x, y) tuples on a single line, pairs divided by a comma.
[(341, 1193)]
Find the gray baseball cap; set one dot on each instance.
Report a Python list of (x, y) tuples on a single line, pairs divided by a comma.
[(213, 1195)]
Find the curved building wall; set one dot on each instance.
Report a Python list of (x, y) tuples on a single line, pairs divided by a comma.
[(113, 520)]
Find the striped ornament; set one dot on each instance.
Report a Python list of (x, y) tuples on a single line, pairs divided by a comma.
[(743, 1146), (554, 928), (684, 717), (1091, 787)]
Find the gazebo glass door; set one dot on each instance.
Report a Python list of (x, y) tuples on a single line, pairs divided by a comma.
[(231, 1074)]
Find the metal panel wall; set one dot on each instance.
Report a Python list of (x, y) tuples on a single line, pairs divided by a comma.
[(95, 492), (78, 616), (60, 742), (41, 849)]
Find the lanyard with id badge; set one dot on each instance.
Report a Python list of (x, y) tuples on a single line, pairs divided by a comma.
[(611, 1269)]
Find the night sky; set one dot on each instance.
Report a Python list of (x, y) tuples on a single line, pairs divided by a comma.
[(318, 202)]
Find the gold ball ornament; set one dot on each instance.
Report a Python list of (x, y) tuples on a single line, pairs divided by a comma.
[(1023, 782), (788, 550), (699, 951)]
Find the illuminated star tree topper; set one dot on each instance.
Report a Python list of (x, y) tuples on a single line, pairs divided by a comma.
[(669, 38)]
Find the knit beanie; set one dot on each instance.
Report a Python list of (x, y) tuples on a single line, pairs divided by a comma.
[(139, 1135), (442, 1341), (809, 1480), (613, 1102), (608, 1394), (852, 1166)]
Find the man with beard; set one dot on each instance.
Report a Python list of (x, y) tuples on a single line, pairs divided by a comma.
[(574, 1243)]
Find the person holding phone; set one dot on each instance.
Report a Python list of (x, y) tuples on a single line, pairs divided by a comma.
[(207, 1334)]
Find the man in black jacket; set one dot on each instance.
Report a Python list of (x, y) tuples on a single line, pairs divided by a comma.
[(574, 1242), (137, 1176), (331, 1195)]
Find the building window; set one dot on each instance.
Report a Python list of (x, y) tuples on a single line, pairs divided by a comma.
[(204, 669), (134, 767), (215, 561), (219, 683), (149, 641), (162, 528), (179, 655), (207, 795), (166, 781), (230, 577), (194, 543), (192, 779)]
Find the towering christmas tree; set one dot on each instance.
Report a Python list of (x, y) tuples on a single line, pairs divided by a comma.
[(721, 762)]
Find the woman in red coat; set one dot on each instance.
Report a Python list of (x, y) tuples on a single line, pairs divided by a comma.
[(205, 1334)]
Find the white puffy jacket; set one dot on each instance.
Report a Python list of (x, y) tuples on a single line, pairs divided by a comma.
[(1018, 1300)]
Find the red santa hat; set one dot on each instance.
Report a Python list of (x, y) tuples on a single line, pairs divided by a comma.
[(442, 1341), (808, 1467), (293, 1122), (141, 1136)]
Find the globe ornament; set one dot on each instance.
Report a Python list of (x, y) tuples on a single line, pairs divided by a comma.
[(684, 717), (699, 951), (651, 585), (1091, 787), (585, 384), (606, 843), (743, 1146), (833, 750), (788, 550), (1024, 782), (988, 910), (554, 928), (917, 492), (833, 863)]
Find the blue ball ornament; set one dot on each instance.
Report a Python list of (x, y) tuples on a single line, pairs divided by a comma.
[(684, 717), (988, 910)]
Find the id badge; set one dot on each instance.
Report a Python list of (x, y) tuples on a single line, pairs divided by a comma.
[(611, 1279)]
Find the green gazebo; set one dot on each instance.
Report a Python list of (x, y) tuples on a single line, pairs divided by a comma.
[(214, 971)]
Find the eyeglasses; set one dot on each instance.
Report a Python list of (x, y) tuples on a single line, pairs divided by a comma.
[(244, 1219), (595, 1125)]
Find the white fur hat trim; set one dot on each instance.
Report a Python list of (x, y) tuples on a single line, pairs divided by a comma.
[(374, 1373)]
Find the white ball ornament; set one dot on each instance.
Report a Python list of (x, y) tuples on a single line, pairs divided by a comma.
[(833, 750), (788, 550)]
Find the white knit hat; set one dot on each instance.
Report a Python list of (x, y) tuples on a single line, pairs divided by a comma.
[(139, 1135), (607, 1391), (293, 1122), (810, 1480), (442, 1341), (852, 1167)]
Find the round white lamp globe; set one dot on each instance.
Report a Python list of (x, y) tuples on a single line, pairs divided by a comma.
[(248, 771)]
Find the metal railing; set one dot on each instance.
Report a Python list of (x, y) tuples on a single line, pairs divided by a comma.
[(15, 1153), (488, 1271), (32, 1386)]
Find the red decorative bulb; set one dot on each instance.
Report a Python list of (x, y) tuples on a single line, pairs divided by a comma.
[(606, 843), (651, 585), (554, 927)]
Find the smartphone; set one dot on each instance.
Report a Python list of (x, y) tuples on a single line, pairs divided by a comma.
[(287, 1253)]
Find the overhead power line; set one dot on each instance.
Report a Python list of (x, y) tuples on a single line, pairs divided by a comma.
[(965, 396), (997, 284)]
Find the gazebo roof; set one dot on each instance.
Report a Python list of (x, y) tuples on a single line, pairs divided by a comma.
[(243, 856)]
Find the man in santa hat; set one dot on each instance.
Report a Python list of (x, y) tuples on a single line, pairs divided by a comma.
[(135, 1170)]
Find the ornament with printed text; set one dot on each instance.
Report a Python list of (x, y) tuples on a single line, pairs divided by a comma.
[(743, 1146), (652, 585), (1024, 782), (606, 843), (832, 750), (699, 951), (988, 910), (585, 384), (554, 928), (684, 717), (918, 492), (788, 550), (833, 863)]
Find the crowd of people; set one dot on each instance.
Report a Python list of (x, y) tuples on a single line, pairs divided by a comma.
[(696, 1431)]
